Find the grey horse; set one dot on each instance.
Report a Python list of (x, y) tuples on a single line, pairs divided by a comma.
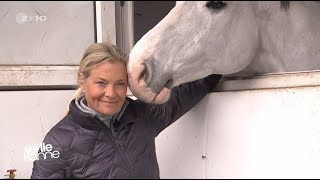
[(198, 38)]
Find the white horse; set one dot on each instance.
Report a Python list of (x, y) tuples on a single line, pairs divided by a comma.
[(196, 39)]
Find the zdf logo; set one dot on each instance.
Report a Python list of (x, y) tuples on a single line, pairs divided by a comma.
[(23, 18)]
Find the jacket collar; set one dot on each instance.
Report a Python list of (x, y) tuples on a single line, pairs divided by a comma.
[(92, 122)]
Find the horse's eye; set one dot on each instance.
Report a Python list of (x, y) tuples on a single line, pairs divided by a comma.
[(215, 4)]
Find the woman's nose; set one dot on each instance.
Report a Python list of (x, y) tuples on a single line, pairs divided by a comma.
[(110, 91)]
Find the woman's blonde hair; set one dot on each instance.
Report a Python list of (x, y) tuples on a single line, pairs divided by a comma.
[(99, 53), (95, 54)]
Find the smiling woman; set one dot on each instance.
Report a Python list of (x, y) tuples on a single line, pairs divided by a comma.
[(105, 89), (103, 78), (106, 134)]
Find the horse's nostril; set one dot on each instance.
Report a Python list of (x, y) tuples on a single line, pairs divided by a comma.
[(169, 84), (147, 73)]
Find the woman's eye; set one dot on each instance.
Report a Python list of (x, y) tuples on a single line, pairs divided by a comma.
[(120, 84), (215, 4), (100, 83)]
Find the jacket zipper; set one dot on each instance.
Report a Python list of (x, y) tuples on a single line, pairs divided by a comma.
[(117, 145)]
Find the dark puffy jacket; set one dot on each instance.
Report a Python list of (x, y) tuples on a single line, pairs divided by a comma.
[(84, 147)]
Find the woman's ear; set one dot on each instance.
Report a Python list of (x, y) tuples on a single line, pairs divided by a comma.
[(81, 82)]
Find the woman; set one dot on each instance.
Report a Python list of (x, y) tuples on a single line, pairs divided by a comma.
[(105, 134)]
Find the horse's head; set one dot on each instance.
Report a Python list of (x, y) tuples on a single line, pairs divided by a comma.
[(194, 40)]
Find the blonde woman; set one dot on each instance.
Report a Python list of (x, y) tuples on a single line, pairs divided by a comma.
[(106, 134)]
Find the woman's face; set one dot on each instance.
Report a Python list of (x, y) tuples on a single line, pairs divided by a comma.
[(106, 87)]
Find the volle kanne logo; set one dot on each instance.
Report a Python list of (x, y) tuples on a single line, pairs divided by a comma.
[(40, 151)]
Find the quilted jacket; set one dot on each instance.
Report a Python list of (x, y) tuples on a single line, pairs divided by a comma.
[(84, 147)]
